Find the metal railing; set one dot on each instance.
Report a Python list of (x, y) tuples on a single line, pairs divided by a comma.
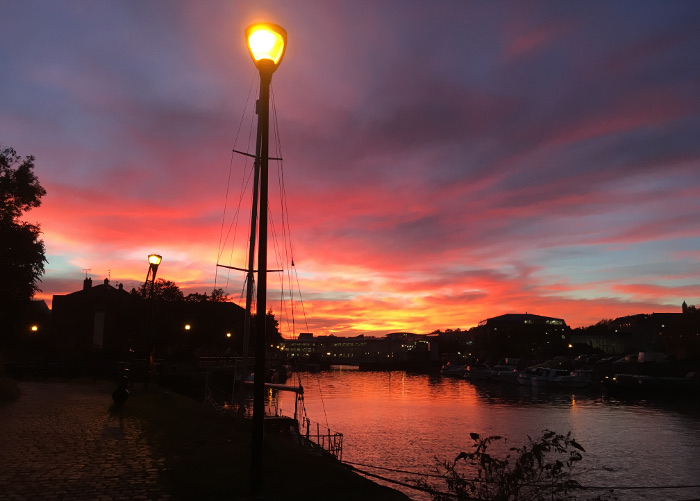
[(328, 441), (310, 433)]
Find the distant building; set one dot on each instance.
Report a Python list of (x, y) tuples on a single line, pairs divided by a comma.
[(521, 335), (638, 333), (395, 348)]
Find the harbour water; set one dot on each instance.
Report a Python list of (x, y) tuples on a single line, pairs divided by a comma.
[(402, 421)]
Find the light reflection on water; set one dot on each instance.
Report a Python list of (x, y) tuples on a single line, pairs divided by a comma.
[(404, 421)]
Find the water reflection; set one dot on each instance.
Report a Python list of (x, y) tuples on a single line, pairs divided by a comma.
[(403, 421)]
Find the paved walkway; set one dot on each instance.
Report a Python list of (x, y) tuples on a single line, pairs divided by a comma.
[(60, 442)]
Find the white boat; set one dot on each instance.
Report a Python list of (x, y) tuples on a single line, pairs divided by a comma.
[(477, 372), (454, 370), (547, 377), (505, 374)]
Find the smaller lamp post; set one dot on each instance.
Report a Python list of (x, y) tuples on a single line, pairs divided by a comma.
[(153, 263)]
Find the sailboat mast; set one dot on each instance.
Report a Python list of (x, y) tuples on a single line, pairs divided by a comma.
[(251, 261)]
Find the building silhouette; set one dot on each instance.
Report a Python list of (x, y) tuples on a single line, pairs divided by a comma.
[(103, 322)]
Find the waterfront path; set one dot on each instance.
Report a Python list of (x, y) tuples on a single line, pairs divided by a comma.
[(61, 442)]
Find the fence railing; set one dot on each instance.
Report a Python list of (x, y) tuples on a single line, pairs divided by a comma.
[(331, 442), (310, 432)]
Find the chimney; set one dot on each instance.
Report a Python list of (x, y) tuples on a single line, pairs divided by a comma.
[(87, 284), (106, 281)]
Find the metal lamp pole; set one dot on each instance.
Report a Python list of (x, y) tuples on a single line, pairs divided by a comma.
[(153, 262), (267, 43)]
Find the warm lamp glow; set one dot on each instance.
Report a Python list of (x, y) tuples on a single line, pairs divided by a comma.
[(266, 42), (35, 328), (154, 259), (188, 327), (228, 334)]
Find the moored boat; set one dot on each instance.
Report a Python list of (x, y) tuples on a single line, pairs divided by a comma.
[(477, 372), (653, 385), (548, 377), (504, 374), (453, 370)]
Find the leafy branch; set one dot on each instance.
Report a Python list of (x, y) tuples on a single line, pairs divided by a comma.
[(540, 470)]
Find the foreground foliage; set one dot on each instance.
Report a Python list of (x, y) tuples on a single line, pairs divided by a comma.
[(542, 469), (21, 250)]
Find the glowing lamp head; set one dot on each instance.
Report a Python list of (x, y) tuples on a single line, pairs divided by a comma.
[(266, 43), (154, 259)]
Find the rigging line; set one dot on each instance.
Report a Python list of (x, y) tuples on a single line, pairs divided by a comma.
[(323, 403), (404, 484), (223, 215), (230, 167), (234, 224), (293, 269), (283, 304), (244, 185), (301, 299), (394, 470), (588, 487), (234, 220), (244, 189), (277, 149), (643, 487), (278, 256), (280, 180), (288, 238)]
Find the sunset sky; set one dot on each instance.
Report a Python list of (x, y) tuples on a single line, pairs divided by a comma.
[(444, 161)]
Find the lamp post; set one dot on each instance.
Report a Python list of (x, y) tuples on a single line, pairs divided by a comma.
[(266, 43), (153, 262)]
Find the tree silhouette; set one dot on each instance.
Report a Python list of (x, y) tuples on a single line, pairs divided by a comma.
[(219, 296), (272, 333), (21, 251), (163, 290)]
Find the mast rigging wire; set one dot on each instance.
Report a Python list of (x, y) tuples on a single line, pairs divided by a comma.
[(228, 181), (283, 248)]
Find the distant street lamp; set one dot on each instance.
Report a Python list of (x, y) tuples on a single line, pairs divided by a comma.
[(266, 43)]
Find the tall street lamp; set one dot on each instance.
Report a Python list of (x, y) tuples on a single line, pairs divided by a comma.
[(153, 262), (266, 43)]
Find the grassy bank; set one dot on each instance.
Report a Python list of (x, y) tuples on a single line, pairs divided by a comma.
[(208, 456)]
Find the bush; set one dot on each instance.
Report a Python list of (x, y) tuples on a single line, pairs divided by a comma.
[(539, 470)]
